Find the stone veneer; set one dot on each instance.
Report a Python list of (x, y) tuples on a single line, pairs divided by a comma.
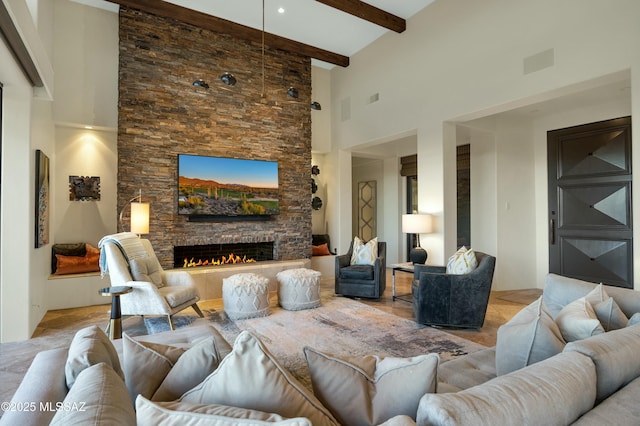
[(161, 115)]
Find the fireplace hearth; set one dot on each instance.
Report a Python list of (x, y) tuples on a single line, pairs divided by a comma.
[(214, 253)]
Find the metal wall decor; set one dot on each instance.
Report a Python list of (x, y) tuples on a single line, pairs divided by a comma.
[(84, 188), (316, 202)]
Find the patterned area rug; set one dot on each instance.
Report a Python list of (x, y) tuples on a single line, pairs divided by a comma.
[(341, 326)]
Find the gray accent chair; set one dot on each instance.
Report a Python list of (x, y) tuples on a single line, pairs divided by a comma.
[(446, 300), (368, 281)]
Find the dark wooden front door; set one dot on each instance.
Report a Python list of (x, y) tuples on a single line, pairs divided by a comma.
[(590, 226)]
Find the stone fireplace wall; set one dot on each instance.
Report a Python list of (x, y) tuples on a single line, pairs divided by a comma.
[(161, 115)]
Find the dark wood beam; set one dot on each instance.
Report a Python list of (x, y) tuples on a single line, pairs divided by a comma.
[(369, 13), (203, 20)]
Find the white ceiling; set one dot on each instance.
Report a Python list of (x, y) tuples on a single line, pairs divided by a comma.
[(305, 21)]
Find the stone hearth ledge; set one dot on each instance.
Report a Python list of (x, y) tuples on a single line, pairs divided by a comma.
[(208, 279)]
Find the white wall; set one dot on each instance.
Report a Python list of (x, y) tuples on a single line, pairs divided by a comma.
[(17, 201), (321, 119), (463, 60), (86, 63), (82, 152)]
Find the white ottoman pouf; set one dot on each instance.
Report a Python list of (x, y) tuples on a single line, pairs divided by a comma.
[(245, 296), (298, 289)]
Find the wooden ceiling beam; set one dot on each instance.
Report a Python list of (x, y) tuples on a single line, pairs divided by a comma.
[(369, 13), (219, 25)]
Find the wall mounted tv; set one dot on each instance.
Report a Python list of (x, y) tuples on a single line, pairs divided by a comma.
[(227, 187)]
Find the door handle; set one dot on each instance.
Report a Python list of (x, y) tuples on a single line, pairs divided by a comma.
[(552, 232)]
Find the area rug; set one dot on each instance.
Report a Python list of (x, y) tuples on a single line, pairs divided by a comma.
[(341, 326)]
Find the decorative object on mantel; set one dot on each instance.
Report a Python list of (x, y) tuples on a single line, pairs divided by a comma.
[(417, 224), (42, 200), (139, 215), (84, 188), (228, 79), (315, 170), (316, 106), (201, 83), (293, 92)]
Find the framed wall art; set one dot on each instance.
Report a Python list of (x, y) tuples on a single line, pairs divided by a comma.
[(84, 188), (42, 191)]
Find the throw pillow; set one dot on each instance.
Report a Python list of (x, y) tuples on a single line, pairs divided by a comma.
[(607, 310), (147, 269), (321, 250), (75, 264), (191, 369), (578, 321), (99, 396), (90, 346), (462, 262), (146, 365), (364, 253), (635, 319), (364, 390), (164, 372), (529, 337), (610, 315), (251, 377), (182, 413)]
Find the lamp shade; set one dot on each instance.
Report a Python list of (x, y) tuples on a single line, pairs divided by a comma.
[(416, 223), (140, 218)]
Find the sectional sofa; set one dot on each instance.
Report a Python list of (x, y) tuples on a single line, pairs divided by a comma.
[(193, 376)]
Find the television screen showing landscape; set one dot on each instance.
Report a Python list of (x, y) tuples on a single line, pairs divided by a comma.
[(218, 186)]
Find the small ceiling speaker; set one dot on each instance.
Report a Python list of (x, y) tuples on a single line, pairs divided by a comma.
[(228, 79)]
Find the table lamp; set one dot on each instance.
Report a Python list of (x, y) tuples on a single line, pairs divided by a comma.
[(417, 224)]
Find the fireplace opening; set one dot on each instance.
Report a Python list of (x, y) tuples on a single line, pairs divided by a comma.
[(213, 254)]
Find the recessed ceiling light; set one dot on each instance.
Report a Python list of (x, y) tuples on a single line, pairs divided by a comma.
[(281, 10)]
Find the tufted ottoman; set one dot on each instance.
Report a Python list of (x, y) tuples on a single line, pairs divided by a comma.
[(245, 296), (298, 289)]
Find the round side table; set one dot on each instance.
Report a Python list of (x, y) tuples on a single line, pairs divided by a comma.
[(115, 324)]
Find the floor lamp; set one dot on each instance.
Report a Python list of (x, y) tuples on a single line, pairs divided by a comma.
[(417, 224), (139, 215)]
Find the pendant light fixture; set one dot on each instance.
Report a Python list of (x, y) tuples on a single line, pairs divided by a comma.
[(262, 94)]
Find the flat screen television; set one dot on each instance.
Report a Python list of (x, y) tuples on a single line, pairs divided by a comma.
[(222, 186)]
